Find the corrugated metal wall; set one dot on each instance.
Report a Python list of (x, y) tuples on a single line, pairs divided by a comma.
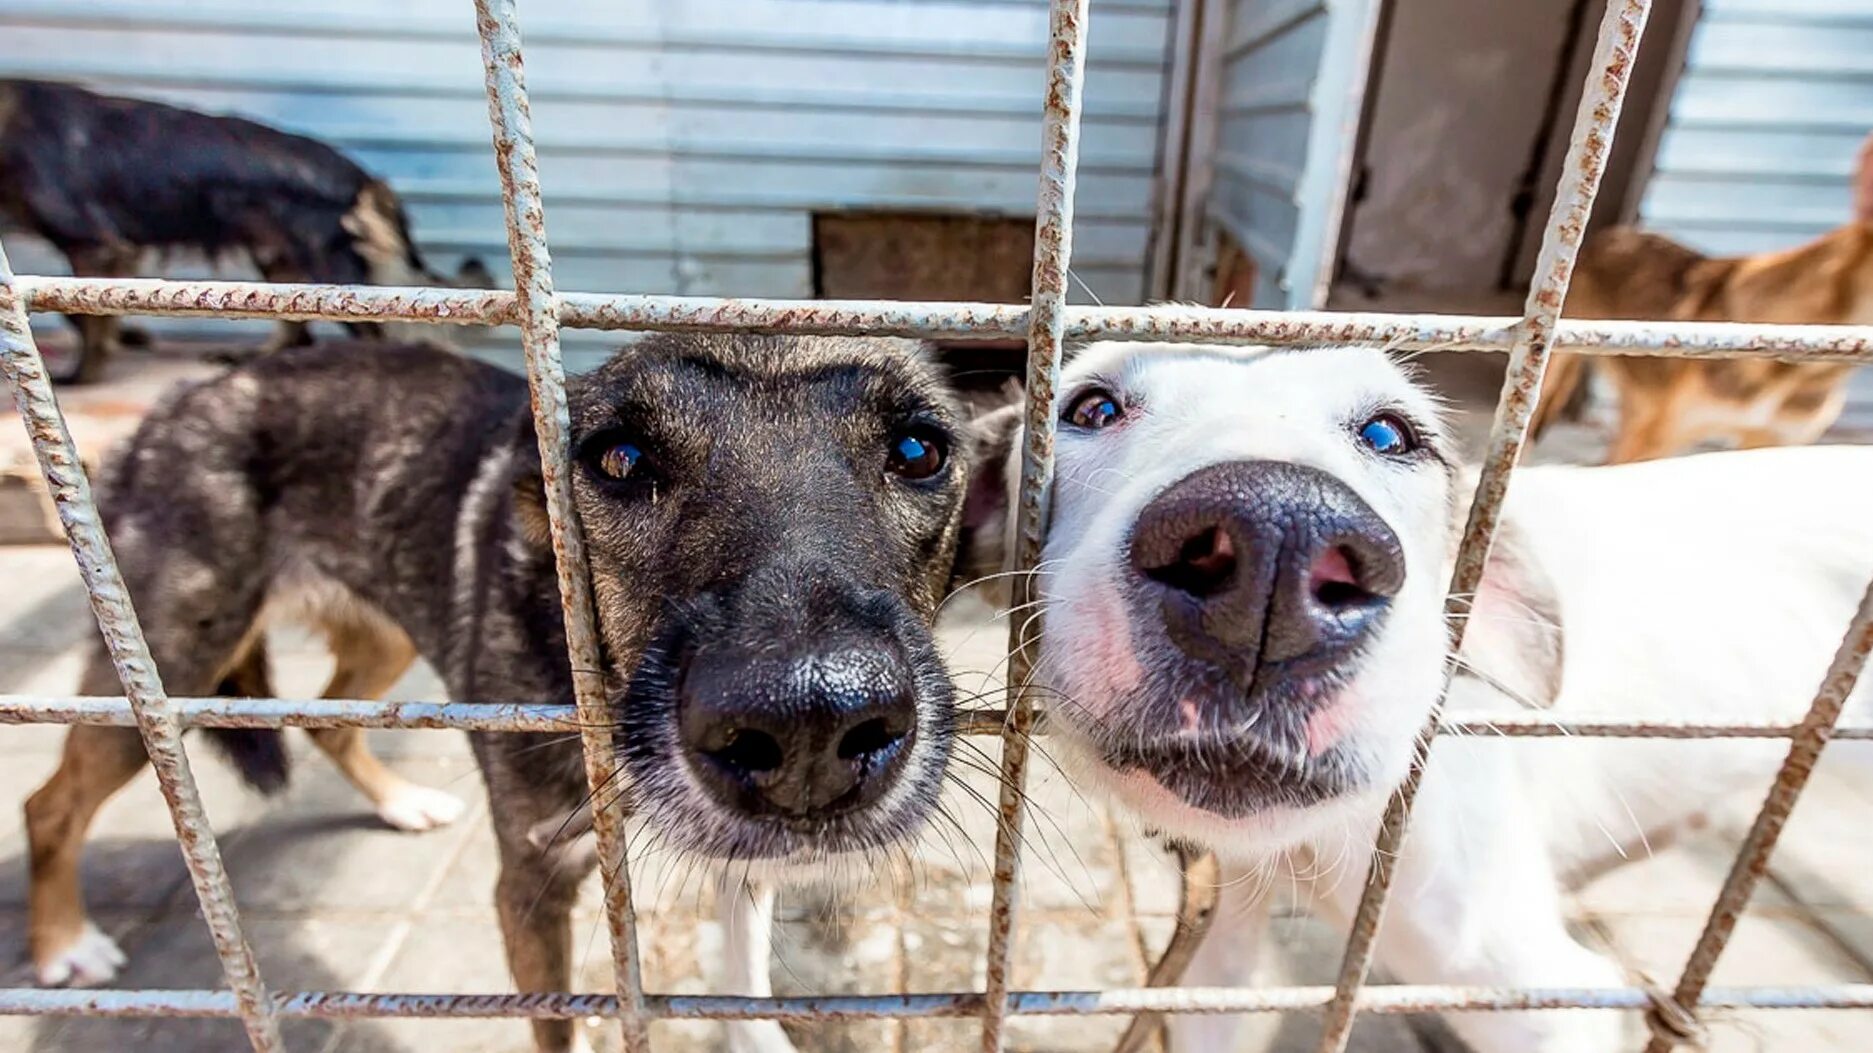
[(1775, 98), (683, 144), (1292, 72)]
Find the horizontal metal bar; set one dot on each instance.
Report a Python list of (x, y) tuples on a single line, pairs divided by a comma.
[(1395, 999), (960, 320), (522, 716)]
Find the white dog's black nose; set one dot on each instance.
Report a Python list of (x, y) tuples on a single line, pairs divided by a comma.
[(811, 734), (1266, 569)]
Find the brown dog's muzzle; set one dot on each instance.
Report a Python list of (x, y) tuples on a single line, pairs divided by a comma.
[(812, 732)]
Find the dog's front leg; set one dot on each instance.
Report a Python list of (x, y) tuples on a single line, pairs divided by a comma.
[(534, 896), (1227, 957), (746, 912)]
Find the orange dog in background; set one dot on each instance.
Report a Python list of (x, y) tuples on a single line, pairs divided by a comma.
[(1667, 406)]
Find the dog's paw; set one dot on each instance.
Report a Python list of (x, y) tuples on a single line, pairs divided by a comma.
[(758, 1036), (92, 958), (418, 808), (580, 1042)]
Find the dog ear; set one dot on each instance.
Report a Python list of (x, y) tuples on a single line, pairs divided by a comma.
[(982, 545), (531, 521), (1514, 639)]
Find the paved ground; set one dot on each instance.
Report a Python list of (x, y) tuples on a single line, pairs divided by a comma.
[(333, 901)]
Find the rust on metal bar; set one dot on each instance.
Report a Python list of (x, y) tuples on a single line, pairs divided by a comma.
[(961, 320), (527, 716), (123, 636), (537, 312), (1386, 999), (1752, 858), (1581, 170), (297, 713), (1046, 335)]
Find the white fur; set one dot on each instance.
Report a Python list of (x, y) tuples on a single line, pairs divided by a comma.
[(1713, 586), (93, 958), (746, 912)]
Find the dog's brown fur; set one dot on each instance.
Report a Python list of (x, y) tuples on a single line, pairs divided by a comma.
[(394, 497), (1667, 406)]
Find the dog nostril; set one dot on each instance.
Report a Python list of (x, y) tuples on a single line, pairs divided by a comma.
[(1203, 567), (869, 737), (1334, 580), (750, 751)]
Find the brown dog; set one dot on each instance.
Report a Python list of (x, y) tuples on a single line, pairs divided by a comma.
[(771, 523), (1667, 406)]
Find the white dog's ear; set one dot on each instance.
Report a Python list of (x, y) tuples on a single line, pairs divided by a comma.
[(983, 544), (1514, 640)]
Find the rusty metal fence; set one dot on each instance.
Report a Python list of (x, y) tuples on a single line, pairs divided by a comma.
[(1047, 322)]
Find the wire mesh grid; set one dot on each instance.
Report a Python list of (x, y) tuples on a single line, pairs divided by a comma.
[(1047, 323)]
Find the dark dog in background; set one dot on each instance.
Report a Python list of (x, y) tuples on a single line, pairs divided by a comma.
[(771, 523), (109, 181)]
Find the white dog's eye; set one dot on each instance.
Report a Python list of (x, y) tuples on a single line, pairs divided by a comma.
[(1094, 410), (1388, 434)]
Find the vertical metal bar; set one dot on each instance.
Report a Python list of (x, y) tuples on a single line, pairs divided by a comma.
[(1752, 857), (130, 653), (1053, 250), (512, 122), (1587, 152)]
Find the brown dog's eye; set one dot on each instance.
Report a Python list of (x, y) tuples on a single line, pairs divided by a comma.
[(617, 459), (1094, 410), (916, 455)]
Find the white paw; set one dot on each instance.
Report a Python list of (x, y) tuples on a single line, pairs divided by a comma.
[(758, 1036), (92, 958), (418, 808), (580, 1043)]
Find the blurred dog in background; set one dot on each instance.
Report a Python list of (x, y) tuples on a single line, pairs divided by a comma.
[(1668, 406), (109, 181)]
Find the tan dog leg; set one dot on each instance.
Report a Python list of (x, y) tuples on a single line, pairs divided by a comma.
[(371, 658), (66, 947), (535, 900)]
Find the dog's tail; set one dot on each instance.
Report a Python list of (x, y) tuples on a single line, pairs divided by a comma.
[(259, 754)]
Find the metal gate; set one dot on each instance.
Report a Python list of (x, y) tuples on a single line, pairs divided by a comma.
[(1046, 323)]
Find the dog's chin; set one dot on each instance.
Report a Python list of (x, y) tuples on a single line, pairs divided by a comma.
[(1236, 796), (1235, 777)]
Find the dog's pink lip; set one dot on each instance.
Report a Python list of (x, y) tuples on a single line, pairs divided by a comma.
[(1327, 727)]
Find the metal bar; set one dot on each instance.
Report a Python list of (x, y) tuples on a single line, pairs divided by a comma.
[(1752, 857), (1594, 124), (527, 716), (538, 315), (1167, 323), (110, 603), (1389, 999), (1053, 254)]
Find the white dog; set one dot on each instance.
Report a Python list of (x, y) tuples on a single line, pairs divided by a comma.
[(1243, 614)]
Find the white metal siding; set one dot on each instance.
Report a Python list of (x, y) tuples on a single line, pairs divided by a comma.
[(683, 143), (1292, 74), (1774, 100)]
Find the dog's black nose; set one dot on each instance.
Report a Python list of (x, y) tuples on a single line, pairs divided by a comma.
[(809, 734), (1266, 569)]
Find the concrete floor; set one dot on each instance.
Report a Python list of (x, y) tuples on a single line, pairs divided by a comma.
[(334, 901)]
